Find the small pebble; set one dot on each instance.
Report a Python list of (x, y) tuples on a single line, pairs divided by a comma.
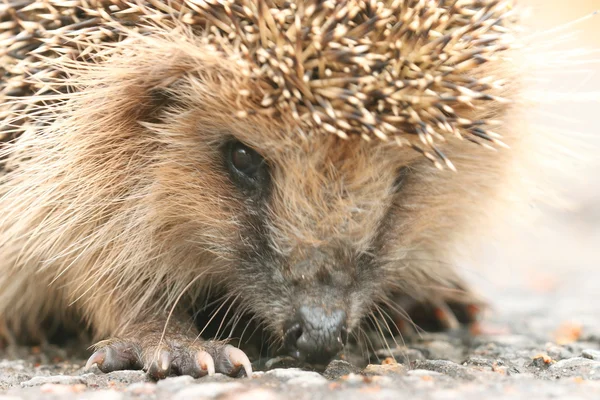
[(140, 388), (591, 354), (288, 373), (175, 383), (384, 369), (542, 360), (203, 390), (338, 368), (423, 372), (253, 394), (447, 368), (59, 389), (558, 352), (127, 376), (103, 395), (56, 379), (576, 366), (308, 380), (401, 354)]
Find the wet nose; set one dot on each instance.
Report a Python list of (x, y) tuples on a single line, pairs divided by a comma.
[(316, 335)]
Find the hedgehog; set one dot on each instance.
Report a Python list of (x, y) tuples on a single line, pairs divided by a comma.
[(303, 165)]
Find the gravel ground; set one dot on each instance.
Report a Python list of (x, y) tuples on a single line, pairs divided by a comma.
[(441, 366)]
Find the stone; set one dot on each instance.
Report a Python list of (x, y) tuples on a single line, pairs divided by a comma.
[(447, 368), (558, 352), (252, 394), (108, 394), (591, 354), (308, 380), (401, 354), (175, 383), (56, 379), (385, 369), (542, 361), (576, 367), (207, 390), (127, 376), (423, 372), (338, 368), (141, 388), (289, 373)]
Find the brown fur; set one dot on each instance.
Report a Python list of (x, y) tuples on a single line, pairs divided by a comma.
[(116, 204)]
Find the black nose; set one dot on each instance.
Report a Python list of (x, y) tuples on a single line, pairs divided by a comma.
[(316, 335)]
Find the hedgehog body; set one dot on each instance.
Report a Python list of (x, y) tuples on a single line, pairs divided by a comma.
[(295, 158)]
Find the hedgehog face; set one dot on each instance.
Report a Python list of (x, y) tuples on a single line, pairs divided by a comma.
[(308, 231), (297, 226), (308, 238)]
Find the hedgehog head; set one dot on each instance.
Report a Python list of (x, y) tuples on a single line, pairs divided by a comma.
[(271, 143)]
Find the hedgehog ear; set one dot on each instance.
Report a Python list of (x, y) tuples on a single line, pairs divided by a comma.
[(159, 98), (160, 95)]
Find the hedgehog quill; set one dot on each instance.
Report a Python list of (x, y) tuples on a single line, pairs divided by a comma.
[(303, 159)]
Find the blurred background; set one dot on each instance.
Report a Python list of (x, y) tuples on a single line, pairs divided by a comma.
[(546, 275)]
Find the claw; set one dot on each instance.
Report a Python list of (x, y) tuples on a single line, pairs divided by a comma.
[(97, 358), (161, 367), (109, 359), (205, 362), (236, 359), (445, 316)]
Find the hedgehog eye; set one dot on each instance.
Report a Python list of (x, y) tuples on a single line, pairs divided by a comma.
[(245, 164)]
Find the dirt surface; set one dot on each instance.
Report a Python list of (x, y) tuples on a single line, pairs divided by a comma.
[(513, 362)]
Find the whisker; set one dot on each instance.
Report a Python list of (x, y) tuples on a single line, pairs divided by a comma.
[(382, 312), (186, 288), (373, 318), (217, 335), (368, 342), (246, 327), (214, 314), (404, 314), (235, 320)]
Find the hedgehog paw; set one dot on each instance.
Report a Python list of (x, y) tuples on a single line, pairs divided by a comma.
[(170, 357), (437, 315)]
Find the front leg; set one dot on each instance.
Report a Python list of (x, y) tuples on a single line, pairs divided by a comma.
[(179, 352)]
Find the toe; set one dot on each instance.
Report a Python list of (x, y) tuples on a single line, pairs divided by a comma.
[(160, 367), (97, 358), (231, 361), (115, 357), (196, 364), (205, 362)]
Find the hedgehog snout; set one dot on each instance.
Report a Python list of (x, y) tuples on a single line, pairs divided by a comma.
[(316, 334)]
